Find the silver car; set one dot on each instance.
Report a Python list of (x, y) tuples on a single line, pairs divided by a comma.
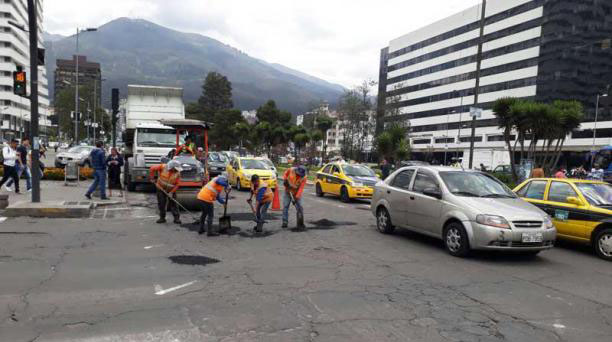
[(466, 209), (80, 154)]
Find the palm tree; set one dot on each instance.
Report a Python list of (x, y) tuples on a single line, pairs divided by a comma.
[(505, 121), (324, 123)]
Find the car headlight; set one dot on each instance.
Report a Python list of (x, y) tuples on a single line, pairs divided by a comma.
[(356, 184), (548, 223), (493, 221), (247, 176)]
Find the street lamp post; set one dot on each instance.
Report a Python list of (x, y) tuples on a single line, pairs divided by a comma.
[(76, 83), (595, 125)]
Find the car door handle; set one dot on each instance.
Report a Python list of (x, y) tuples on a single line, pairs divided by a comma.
[(388, 191), (412, 198)]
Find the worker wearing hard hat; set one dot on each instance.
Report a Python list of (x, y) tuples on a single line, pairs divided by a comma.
[(207, 196), (263, 197), (294, 182), (167, 184)]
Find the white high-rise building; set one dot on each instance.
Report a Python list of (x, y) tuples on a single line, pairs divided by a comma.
[(14, 52)]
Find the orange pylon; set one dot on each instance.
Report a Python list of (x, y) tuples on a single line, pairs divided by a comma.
[(276, 200)]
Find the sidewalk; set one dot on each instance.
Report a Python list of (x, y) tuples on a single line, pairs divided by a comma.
[(57, 200)]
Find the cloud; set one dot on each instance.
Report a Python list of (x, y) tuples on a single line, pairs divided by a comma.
[(337, 40)]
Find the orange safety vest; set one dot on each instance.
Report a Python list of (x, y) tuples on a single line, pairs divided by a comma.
[(293, 179), (210, 191), (168, 179), (184, 148), (268, 194)]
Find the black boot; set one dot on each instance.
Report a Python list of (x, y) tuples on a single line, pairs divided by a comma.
[(202, 230), (259, 227), (212, 231), (177, 220), (161, 220)]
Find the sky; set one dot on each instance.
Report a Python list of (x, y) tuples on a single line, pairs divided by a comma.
[(336, 40)]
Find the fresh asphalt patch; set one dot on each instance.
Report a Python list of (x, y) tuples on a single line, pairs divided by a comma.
[(193, 260), (195, 227), (323, 224), (251, 217), (252, 234)]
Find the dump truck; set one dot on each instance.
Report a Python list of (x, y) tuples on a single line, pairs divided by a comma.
[(146, 139)]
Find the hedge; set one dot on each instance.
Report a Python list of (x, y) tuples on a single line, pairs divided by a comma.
[(57, 174)]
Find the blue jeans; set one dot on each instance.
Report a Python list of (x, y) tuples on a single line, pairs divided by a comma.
[(287, 203), (20, 171), (99, 179), (262, 211)]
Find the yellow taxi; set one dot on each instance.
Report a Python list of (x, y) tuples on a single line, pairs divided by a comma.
[(581, 209), (241, 169), (348, 181)]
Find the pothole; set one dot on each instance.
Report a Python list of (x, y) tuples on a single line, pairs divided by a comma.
[(192, 260), (251, 234)]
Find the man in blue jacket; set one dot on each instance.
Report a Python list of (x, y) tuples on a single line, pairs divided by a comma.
[(98, 162)]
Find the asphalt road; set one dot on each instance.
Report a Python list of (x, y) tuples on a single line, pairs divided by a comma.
[(118, 276)]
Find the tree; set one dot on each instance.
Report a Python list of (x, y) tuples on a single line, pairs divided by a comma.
[(355, 117), (324, 124), (216, 95), (273, 125), (241, 131), (193, 110), (221, 133), (393, 144), (505, 121), (64, 105)]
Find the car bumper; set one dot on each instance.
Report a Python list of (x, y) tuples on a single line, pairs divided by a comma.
[(247, 183), (362, 192), (491, 238)]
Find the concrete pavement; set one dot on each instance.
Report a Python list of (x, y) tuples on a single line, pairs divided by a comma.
[(118, 276)]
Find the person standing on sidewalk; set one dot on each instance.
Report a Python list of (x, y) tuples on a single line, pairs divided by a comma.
[(263, 197), (294, 181), (22, 165), (114, 163), (98, 162), (9, 153), (166, 186)]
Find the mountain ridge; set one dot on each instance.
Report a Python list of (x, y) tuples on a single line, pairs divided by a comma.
[(137, 51)]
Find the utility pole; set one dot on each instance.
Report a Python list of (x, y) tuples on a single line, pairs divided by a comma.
[(477, 87), (76, 91), (33, 26)]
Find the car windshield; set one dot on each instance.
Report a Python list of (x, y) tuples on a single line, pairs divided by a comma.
[(269, 163), (75, 149), (475, 184), (157, 137), (217, 157), (599, 195), (253, 164), (358, 171)]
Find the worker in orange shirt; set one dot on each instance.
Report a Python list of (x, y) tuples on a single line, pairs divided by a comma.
[(187, 148), (294, 182), (167, 184), (263, 197), (207, 196)]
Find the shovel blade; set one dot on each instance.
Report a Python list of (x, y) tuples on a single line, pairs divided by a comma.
[(225, 223)]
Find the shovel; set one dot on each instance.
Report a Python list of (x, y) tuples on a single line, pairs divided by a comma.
[(299, 213), (225, 221)]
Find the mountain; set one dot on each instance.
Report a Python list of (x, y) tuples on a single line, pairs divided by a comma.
[(136, 51), (50, 37)]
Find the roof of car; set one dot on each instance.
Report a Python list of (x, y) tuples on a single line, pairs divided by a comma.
[(441, 168), (570, 180)]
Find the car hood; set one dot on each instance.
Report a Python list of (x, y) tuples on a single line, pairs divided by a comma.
[(512, 209), (369, 181), (259, 172), (69, 155), (216, 164)]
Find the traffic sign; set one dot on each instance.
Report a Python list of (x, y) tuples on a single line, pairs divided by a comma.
[(475, 112)]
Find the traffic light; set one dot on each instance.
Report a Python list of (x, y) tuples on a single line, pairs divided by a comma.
[(19, 82)]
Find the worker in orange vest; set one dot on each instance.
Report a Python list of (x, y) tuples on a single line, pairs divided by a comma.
[(294, 182), (187, 148), (263, 197), (167, 184), (207, 196)]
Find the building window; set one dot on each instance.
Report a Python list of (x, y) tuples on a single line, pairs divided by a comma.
[(500, 138), (468, 139), (421, 141), (445, 141)]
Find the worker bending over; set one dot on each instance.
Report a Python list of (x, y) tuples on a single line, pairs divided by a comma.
[(167, 184), (207, 196), (187, 148), (263, 197), (295, 180)]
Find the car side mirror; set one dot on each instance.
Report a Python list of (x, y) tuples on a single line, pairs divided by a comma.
[(433, 192), (574, 200), (337, 174)]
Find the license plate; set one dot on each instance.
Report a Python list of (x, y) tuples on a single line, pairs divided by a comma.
[(532, 237)]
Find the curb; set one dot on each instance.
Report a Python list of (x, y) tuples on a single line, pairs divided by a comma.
[(48, 210)]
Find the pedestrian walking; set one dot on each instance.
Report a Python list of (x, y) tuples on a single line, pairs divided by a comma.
[(263, 197), (385, 167), (560, 173), (114, 162), (21, 166), (98, 162), (294, 182), (538, 172), (9, 154), (43, 151), (167, 184), (210, 193)]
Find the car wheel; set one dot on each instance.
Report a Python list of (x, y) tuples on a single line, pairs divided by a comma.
[(344, 196), (319, 190), (383, 221), (603, 244), (238, 185), (456, 240)]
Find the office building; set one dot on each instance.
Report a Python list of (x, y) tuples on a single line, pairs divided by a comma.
[(90, 75), (15, 52), (534, 49)]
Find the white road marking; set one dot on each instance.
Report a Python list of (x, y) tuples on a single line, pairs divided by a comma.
[(105, 212), (2, 219), (153, 246), (144, 217), (313, 304), (160, 291), (559, 326)]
